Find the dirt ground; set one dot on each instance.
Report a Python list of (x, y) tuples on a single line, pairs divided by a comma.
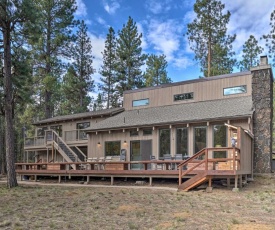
[(32, 206)]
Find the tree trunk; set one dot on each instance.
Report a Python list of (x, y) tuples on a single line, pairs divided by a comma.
[(209, 58), (11, 174), (2, 147), (48, 94)]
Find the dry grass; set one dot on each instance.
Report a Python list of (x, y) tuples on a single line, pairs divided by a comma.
[(40, 207)]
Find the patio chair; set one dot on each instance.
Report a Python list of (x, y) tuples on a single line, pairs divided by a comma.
[(155, 166), (96, 166), (168, 157), (100, 163), (178, 157)]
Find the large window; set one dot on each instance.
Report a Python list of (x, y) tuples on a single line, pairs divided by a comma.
[(183, 96), (112, 148), (147, 132), (133, 132), (234, 90), (58, 129), (83, 125), (164, 142), (41, 131), (80, 134), (141, 102), (199, 138), (182, 141), (220, 137)]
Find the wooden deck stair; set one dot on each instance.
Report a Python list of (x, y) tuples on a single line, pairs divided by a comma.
[(60, 145), (194, 181), (201, 168)]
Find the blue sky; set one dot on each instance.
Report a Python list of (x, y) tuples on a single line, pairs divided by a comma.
[(163, 23)]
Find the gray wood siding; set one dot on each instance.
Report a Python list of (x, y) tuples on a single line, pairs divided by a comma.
[(203, 91), (95, 150)]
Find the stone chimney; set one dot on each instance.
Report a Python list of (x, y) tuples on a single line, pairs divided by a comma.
[(262, 97)]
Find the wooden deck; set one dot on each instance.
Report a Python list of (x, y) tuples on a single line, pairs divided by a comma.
[(149, 169)]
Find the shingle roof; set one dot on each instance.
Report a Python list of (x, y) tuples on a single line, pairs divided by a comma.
[(104, 112), (180, 113)]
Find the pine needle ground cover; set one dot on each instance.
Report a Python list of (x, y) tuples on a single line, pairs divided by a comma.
[(63, 207)]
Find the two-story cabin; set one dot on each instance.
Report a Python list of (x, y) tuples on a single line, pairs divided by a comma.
[(220, 126)]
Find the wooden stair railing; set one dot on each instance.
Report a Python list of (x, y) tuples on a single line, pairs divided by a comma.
[(204, 175), (199, 177), (59, 144), (185, 162)]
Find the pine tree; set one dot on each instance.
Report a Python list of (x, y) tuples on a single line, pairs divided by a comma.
[(98, 103), (130, 58), (108, 71), (156, 73), (57, 21), (77, 83), (15, 18), (208, 38), (270, 38), (251, 52)]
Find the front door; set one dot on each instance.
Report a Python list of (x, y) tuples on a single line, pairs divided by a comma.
[(140, 151)]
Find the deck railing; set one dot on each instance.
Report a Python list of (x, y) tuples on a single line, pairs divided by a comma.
[(35, 141)]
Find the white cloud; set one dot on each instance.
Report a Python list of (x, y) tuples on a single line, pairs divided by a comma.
[(248, 17), (143, 39), (111, 7), (164, 37), (98, 44), (81, 8), (182, 62), (101, 21), (157, 7)]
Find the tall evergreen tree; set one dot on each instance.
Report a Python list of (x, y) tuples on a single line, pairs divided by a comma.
[(208, 38), (77, 83), (98, 103), (15, 17), (108, 71), (57, 21), (251, 52), (156, 73), (130, 57), (270, 38)]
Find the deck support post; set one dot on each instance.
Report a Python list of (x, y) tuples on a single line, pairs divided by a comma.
[(150, 181), (88, 179), (228, 182), (236, 189), (112, 180), (59, 179), (209, 188), (180, 173), (35, 178), (241, 181)]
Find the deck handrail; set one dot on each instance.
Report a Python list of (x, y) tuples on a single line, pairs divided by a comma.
[(56, 138), (206, 160)]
